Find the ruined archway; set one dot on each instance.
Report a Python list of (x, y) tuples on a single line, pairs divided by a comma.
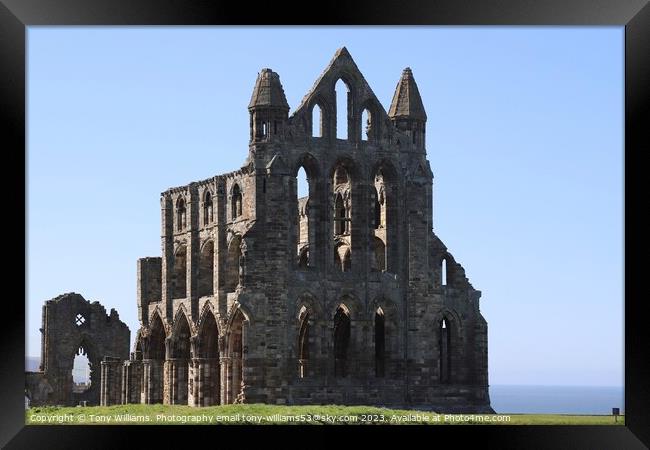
[(207, 363), (177, 365), (154, 358), (71, 325), (236, 350)]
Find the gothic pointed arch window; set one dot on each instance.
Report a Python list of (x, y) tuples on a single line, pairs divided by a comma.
[(444, 345), (317, 128), (180, 352), (304, 217), (383, 218), (207, 208), (181, 214), (303, 341), (155, 353), (236, 350), (208, 350), (234, 269), (236, 201), (443, 272), (343, 104), (366, 125), (206, 269), (179, 274)]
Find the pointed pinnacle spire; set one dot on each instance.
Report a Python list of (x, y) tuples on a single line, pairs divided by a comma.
[(407, 102), (342, 52), (268, 91)]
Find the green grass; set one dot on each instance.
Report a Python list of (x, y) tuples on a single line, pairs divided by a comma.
[(273, 414)]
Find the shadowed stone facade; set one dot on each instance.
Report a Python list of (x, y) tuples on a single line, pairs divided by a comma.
[(345, 296), (72, 325)]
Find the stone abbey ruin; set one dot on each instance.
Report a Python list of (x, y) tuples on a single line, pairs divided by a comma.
[(344, 296)]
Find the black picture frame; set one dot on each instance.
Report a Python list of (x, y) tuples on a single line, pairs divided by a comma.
[(634, 15)]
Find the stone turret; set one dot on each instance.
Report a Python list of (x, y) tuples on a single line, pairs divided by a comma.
[(268, 108), (407, 111)]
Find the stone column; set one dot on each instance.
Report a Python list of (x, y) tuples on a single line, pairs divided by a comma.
[(181, 385), (153, 381), (132, 384), (146, 382), (201, 381), (169, 390), (111, 377), (125, 384), (226, 380), (193, 389)]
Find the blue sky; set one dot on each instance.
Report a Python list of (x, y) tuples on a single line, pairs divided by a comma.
[(524, 136)]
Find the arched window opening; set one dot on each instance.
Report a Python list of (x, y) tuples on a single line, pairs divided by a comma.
[(380, 343), (181, 215), (303, 342), (317, 121), (157, 340), (81, 368), (341, 340), (181, 340), (264, 130), (444, 345), (209, 367), (236, 201), (180, 353), (234, 269), (206, 270), (236, 348), (366, 125), (342, 109), (207, 208), (380, 211), (302, 200), (179, 276), (379, 253), (152, 385), (443, 272)]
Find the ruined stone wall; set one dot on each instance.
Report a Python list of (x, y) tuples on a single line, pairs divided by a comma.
[(71, 323)]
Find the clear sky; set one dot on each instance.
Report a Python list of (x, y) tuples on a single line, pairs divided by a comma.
[(524, 136)]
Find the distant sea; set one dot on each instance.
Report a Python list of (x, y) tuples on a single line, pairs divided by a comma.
[(556, 399), (519, 399)]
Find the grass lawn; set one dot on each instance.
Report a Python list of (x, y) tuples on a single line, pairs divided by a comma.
[(280, 414)]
